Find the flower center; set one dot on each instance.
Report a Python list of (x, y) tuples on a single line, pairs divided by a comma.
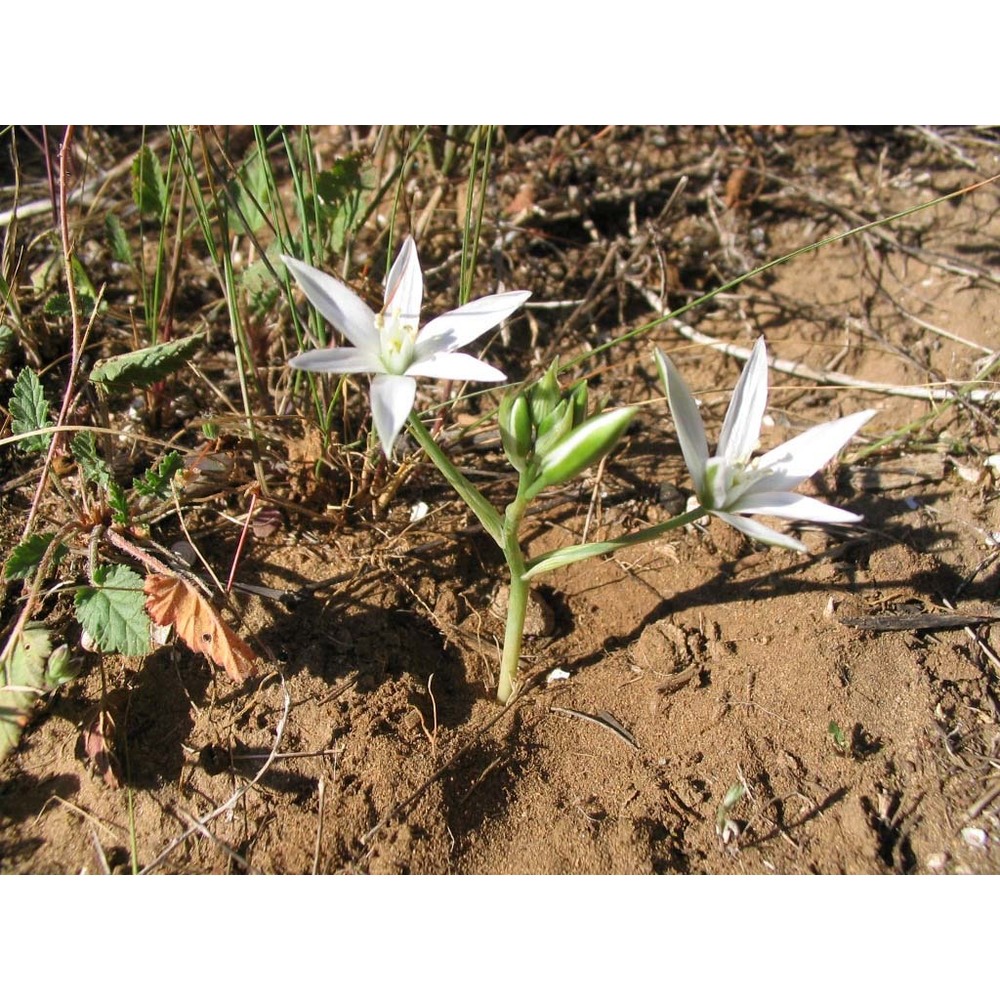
[(725, 483), (397, 341)]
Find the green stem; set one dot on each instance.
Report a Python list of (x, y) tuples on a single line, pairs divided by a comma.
[(517, 600), (574, 553), (481, 507), (504, 531)]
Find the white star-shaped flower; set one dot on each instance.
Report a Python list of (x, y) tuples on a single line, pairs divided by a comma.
[(731, 485), (390, 346)]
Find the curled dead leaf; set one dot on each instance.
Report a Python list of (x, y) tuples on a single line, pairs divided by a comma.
[(172, 601), (96, 744)]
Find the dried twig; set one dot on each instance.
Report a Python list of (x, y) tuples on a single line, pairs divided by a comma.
[(823, 377), (604, 719)]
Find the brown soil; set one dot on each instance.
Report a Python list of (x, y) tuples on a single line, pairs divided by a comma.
[(696, 663)]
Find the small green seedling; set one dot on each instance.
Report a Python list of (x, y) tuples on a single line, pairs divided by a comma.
[(726, 827), (840, 741)]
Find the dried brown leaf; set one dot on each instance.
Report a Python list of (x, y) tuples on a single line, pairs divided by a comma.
[(172, 601), (96, 740)]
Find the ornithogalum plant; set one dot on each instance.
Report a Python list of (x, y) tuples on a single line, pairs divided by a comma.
[(549, 435)]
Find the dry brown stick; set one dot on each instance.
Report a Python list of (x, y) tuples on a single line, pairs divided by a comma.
[(799, 370), (319, 825), (221, 844)]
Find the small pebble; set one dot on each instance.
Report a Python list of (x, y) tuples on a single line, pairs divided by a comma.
[(974, 837)]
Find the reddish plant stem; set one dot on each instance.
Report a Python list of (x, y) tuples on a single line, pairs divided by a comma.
[(74, 361)]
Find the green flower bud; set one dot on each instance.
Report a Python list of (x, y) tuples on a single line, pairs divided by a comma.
[(583, 446), (544, 395), (578, 398), (554, 428), (59, 668), (515, 429)]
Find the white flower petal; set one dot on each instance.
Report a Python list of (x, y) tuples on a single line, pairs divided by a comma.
[(793, 461), (741, 428), (392, 400), (757, 531), (461, 326), (337, 360), (461, 367), (687, 419), (337, 303), (404, 284), (793, 507)]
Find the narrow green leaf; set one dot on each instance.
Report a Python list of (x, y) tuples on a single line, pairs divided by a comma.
[(142, 368), (557, 558), (566, 557), (478, 504), (149, 190), (114, 611), (28, 554), (121, 251), (29, 410), (156, 481), (94, 468)]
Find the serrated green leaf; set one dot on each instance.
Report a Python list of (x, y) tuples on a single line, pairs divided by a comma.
[(118, 502), (114, 611), (142, 368), (94, 468), (340, 181), (149, 190), (29, 410), (341, 196), (23, 680), (59, 304), (28, 554), (247, 192), (156, 481), (121, 251), (261, 289)]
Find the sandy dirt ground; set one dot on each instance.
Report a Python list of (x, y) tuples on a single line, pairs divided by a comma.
[(721, 708)]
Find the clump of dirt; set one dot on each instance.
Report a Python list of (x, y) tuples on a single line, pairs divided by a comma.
[(858, 717)]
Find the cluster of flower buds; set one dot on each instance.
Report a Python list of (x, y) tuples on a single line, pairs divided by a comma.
[(548, 436)]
